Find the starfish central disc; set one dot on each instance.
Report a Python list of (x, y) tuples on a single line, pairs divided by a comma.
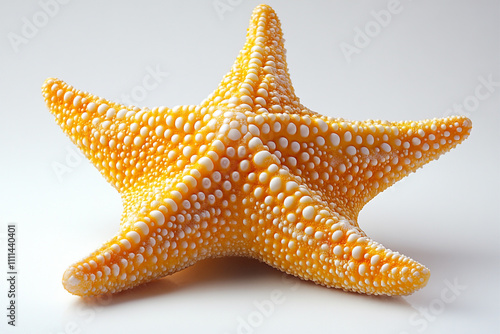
[(247, 172)]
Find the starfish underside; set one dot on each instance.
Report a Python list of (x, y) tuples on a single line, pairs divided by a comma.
[(248, 172)]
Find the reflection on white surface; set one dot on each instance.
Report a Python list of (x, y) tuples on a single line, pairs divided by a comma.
[(426, 61)]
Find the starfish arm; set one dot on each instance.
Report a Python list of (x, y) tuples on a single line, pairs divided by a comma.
[(368, 157), (122, 142), (410, 145), (259, 79), (184, 228), (292, 228), (170, 221), (335, 252), (138, 253), (354, 161)]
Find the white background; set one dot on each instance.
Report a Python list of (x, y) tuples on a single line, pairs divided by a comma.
[(430, 56)]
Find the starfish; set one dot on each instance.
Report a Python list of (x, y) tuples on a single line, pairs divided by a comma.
[(248, 172)]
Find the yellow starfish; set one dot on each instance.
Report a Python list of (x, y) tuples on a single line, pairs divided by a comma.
[(248, 172)]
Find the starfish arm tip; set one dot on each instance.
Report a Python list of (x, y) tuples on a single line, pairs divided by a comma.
[(74, 283)]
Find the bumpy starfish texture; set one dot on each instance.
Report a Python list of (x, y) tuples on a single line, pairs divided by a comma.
[(248, 172)]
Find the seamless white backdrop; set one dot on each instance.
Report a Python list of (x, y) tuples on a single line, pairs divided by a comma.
[(426, 59)]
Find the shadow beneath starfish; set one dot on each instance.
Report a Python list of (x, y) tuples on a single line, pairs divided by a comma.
[(207, 274), (227, 272)]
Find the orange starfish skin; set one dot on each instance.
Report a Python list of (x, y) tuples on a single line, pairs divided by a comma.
[(248, 172)]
